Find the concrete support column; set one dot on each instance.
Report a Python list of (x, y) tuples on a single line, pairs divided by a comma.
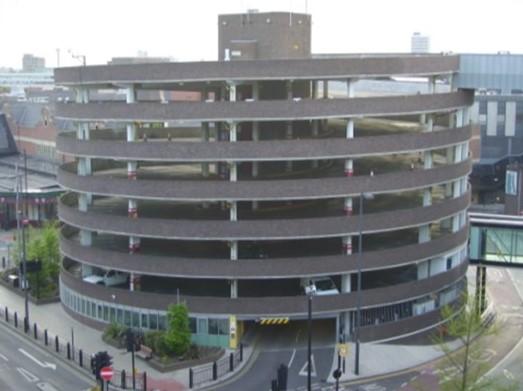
[(234, 289), (131, 170), (314, 89), (86, 237), (459, 118), (255, 137), (424, 234), (349, 167), (348, 206), (347, 245), (427, 160), (288, 129), (325, 89), (134, 244), (431, 86), (427, 197), (131, 282), (205, 138), (315, 129), (455, 223), (234, 250), (345, 283), (132, 209), (429, 127), (456, 188), (83, 202), (233, 211), (349, 134)]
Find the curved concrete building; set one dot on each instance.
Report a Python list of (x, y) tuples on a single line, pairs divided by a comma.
[(233, 203)]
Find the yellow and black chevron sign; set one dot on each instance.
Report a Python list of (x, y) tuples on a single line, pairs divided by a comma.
[(271, 321)]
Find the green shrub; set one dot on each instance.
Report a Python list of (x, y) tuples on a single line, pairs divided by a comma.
[(114, 330)]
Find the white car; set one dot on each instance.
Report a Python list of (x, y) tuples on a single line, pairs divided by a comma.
[(110, 278), (324, 285)]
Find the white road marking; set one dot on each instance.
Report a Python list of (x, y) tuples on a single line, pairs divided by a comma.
[(43, 386), (42, 364), (28, 375), (3, 357), (292, 358), (303, 371)]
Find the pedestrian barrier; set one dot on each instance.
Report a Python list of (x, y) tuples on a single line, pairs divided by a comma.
[(215, 370), (67, 351)]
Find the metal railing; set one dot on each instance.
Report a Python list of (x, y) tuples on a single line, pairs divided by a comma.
[(217, 369)]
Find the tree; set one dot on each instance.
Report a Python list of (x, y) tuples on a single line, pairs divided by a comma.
[(178, 335), (42, 245), (463, 370)]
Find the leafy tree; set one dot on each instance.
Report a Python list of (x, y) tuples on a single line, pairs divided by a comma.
[(178, 335), (463, 370), (42, 245)]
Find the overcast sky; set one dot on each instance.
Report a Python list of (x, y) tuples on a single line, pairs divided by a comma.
[(187, 29)]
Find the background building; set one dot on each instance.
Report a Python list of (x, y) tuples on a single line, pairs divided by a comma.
[(233, 203), (498, 113), (32, 63), (419, 43)]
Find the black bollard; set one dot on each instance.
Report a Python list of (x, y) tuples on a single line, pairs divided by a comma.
[(241, 352), (231, 362), (56, 344), (81, 358), (16, 320), (214, 371), (35, 331), (145, 381), (123, 383), (46, 338), (6, 315), (68, 351), (191, 378)]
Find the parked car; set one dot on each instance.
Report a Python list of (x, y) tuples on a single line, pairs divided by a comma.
[(109, 278), (324, 285)]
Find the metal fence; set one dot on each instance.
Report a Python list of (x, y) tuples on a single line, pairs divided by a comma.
[(213, 371), (65, 350)]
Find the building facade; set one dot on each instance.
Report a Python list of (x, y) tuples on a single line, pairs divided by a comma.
[(419, 43), (234, 203), (498, 114)]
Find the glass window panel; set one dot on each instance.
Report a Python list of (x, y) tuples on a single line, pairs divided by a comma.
[(161, 322), (145, 323), (127, 318), (192, 325), (119, 315), (112, 314), (202, 326), (153, 321), (136, 319)]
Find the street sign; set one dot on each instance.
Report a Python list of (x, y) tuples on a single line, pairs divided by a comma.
[(343, 349), (106, 373)]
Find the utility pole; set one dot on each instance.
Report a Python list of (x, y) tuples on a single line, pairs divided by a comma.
[(25, 221)]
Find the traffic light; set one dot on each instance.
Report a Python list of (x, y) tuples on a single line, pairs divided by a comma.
[(100, 360), (129, 340)]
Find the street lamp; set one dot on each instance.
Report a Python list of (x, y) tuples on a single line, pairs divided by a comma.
[(309, 291), (363, 196)]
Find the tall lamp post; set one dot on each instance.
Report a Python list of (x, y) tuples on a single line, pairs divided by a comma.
[(363, 196), (310, 291)]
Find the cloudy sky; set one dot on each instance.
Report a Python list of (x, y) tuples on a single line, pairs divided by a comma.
[(187, 29)]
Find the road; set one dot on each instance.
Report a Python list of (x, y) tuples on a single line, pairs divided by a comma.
[(287, 344), (509, 369), (25, 367)]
